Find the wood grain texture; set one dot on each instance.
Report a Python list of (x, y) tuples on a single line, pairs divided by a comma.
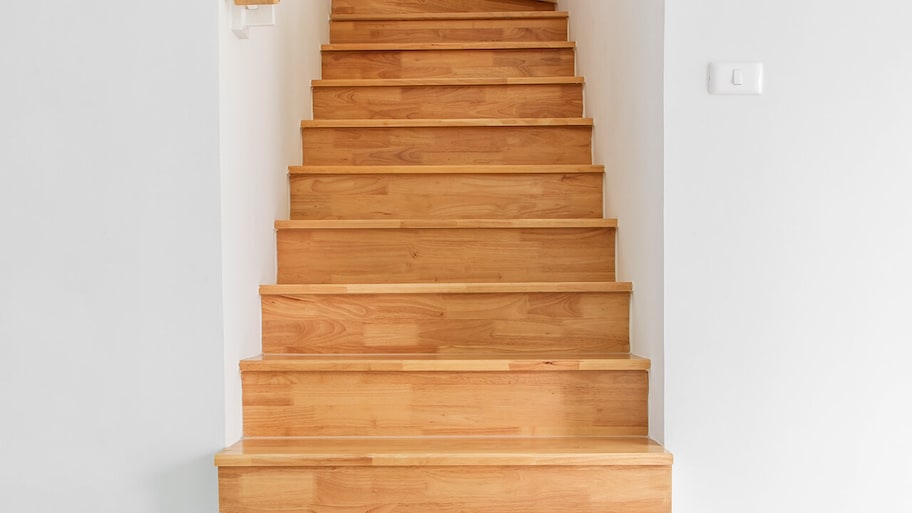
[(415, 255), (453, 196), (551, 323), (448, 288), (449, 101), (443, 363), (446, 335), (516, 403), (387, 224), (448, 30), (445, 170), (445, 81), (469, 15), (447, 145), (459, 46), (465, 63), (542, 489), (444, 451), (424, 6), (446, 123)]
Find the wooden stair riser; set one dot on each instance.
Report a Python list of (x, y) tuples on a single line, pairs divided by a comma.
[(446, 145), (469, 63), (518, 403), (445, 255), (449, 101), (423, 6), (448, 31), (456, 196), (546, 489), (545, 323)]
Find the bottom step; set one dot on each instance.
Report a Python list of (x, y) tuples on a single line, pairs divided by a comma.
[(421, 475)]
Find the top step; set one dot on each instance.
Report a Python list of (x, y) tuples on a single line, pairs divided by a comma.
[(419, 6)]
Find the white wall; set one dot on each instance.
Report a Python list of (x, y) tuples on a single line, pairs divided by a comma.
[(264, 95), (111, 393), (787, 255), (620, 54)]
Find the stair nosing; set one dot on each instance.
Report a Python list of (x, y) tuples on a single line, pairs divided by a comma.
[(439, 451), (485, 45), (456, 16), (446, 123), (449, 362), (531, 169), (306, 289), (446, 81), (442, 224)]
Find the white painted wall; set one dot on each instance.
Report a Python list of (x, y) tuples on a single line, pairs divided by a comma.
[(787, 250), (620, 55), (264, 95), (111, 393)]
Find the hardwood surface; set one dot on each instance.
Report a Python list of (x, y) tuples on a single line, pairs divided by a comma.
[(442, 363), (446, 288), (445, 170), (446, 196), (542, 318), (501, 61), (420, 47), (414, 255), (425, 6), (446, 81), (446, 334), (448, 30), (446, 123), (516, 403), (444, 451), (507, 489), (443, 224), (448, 16), (447, 145), (449, 101)]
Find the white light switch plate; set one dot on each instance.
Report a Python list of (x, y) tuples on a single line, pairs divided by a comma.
[(736, 78)]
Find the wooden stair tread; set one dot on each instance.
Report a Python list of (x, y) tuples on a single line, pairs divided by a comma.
[(445, 170), (444, 123), (446, 288), (380, 224), (499, 15), (444, 363), (447, 81), (431, 451), (484, 45)]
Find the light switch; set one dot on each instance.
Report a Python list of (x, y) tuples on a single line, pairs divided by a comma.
[(736, 78)]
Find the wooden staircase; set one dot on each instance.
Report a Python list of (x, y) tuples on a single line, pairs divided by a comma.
[(446, 333)]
